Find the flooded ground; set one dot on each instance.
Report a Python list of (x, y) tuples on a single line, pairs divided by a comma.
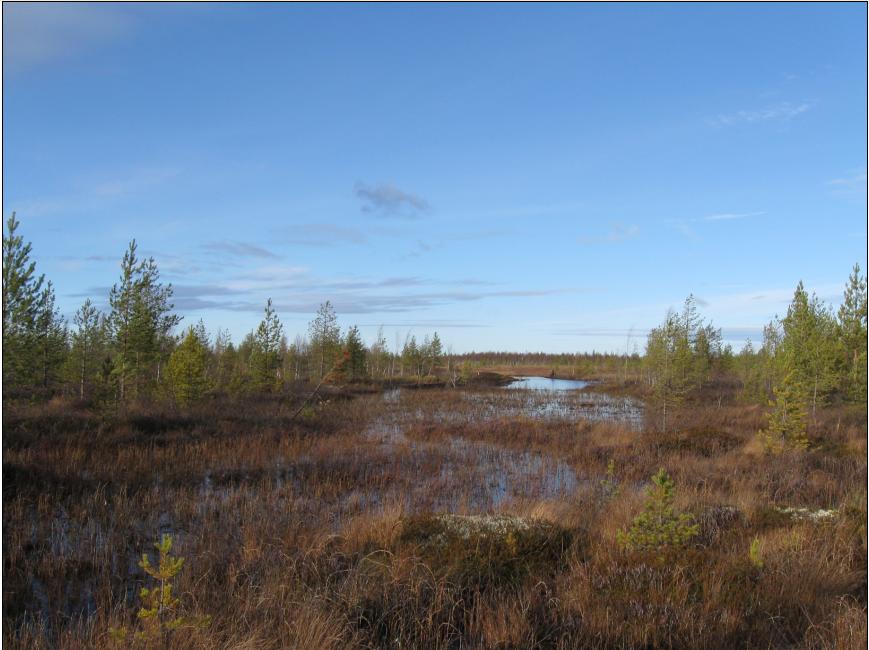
[(475, 476), (548, 383), (390, 464)]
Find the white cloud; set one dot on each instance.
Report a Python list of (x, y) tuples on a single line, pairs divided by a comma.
[(684, 225), (618, 233), (783, 111), (852, 184)]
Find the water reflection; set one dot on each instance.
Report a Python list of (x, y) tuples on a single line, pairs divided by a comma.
[(478, 476), (547, 383)]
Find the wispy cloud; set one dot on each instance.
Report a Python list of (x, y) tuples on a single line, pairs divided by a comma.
[(387, 200), (853, 184), (94, 192), (733, 334), (102, 258), (622, 233), (437, 323), (422, 247), (685, 225), (617, 233), (322, 235), (239, 249), (37, 33), (364, 303), (295, 290), (266, 277), (727, 216), (134, 182), (783, 111)]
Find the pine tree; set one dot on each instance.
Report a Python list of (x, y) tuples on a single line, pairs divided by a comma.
[(378, 354), (435, 353), (122, 301), (852, 327), (750, 367), (410, 357), (658, 526), (808, 347), (221, 365), (669, 359), (201, 334), (161, 612), (156, 315), (50, 338), (34, 334), (265, 357), (87, 347), (188, 369), (325, 341), (355, 355), (787, 420), (297, 359), (141, 320)]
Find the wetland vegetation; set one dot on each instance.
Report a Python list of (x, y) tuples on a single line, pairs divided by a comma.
[(326, 493)]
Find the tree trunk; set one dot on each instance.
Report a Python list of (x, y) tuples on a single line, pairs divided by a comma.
[(81, 385)]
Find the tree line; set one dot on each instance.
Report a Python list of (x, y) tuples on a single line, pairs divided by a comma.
[(811, 357), (132, 352)]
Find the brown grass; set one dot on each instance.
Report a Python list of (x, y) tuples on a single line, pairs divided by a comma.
[(312, 533)]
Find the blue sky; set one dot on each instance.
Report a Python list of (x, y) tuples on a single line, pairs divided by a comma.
[(548, 177)]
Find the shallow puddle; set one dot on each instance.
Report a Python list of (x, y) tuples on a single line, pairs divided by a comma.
[(480, 476), (547, 383)]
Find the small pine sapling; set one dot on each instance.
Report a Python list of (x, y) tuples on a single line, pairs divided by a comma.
[(609, 486), (658, 527), (787, 420), (755, 553), (160, 613)]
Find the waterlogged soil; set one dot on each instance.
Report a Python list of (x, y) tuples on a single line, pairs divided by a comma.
[(548, 383), (557, 405), (388, 468), (453, 474), (475, 476)]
